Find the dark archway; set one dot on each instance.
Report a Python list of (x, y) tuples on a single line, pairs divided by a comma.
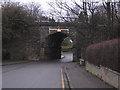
[(53, 46)]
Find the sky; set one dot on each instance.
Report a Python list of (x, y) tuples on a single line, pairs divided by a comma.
[(43, 3)]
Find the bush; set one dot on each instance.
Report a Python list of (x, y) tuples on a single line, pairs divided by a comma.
[(105, 54), (5, 55)]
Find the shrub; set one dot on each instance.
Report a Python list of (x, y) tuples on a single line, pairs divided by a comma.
[(105, 53)]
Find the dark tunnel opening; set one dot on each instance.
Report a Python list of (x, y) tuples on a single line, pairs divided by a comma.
[(54, 41)]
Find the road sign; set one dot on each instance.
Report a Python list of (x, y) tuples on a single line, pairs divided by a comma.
[(53, 30), (59, 30)]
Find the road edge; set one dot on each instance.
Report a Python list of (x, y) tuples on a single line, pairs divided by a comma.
[(15, 63)]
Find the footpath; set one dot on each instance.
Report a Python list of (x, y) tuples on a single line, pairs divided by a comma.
[(75, 76), (14, 62)]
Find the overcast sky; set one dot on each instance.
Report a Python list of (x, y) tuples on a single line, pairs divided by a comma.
[(43, 3)]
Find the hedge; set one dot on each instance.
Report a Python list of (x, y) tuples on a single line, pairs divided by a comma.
[(105, 53)]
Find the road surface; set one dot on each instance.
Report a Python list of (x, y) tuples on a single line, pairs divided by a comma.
[(34, 74), (37, 74)]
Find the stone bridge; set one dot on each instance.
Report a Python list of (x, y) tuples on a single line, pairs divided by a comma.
[(41, 43), (50, 41)]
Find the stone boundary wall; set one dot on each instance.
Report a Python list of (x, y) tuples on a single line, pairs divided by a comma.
[(109, 76)]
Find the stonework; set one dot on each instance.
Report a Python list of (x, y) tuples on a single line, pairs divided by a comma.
[(34, 45)]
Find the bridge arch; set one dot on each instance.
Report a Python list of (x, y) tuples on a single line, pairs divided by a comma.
[(48, 40), (53, 45)]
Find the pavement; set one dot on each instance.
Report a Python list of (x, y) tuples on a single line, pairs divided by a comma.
[(5, 63), (78, 77), (20, 62)]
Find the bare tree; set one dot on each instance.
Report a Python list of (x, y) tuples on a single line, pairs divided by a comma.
[(113, 18), (35, 11), (66, 11)]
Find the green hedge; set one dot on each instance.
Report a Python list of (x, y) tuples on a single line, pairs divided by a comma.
[(105, 53)]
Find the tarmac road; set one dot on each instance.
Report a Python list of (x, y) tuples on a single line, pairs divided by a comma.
[(34, 74), (45, 74)]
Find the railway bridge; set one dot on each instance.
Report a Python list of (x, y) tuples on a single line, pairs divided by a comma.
[(52, 35), (43, 42)]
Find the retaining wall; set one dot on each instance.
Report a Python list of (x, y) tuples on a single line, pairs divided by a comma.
[(104, 73)]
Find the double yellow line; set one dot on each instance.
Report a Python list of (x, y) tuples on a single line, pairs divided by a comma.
[(62, 78)]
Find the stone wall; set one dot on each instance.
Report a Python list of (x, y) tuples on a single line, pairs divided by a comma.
[(44, 32), (104, 73)]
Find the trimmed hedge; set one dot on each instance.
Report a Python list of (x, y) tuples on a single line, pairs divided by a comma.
[(105, 53)]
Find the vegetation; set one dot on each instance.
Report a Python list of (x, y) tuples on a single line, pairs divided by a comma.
[(105, 54), (67, 42), (101, 20), (67, 45), (17, 25), (17, 19)]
